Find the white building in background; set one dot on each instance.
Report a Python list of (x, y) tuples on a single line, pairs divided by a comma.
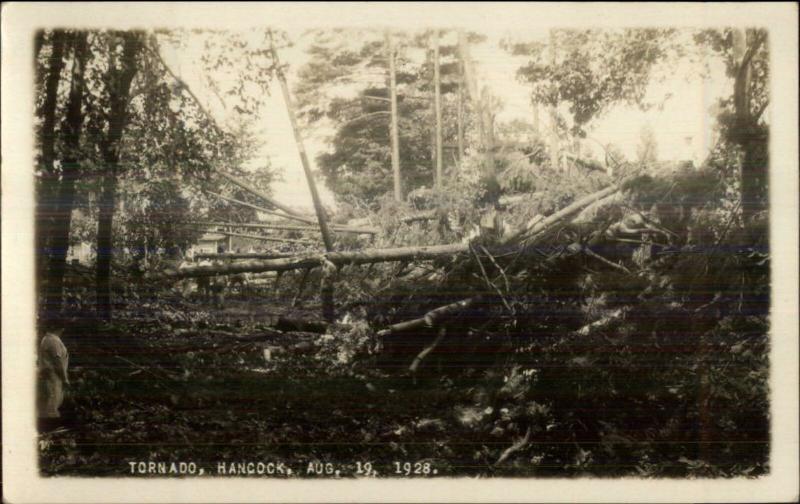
[(209, 243), (82, 253)]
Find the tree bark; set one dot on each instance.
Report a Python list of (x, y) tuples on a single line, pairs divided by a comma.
[(432, 318), (47, 186), (310, 261), (394, 135), (254, 255), (538, 225), (298, 139), (62, 213), (460, 115), (746, 132), (288, 227), (555, 163), (489, 121), (437, 103), (327, 294), (119, 83), (420, 216)]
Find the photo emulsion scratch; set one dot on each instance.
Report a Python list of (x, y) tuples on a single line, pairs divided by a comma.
[(378, 252)]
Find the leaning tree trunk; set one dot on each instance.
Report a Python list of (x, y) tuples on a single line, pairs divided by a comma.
[(119, 82), (46, 189), (62, 208)]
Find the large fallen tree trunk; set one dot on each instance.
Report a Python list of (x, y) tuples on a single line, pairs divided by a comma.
[(534, 231), (589, 213), (287, 227), (266, 238), (343, 258), (538, 225), (419, 216), (245, 255)]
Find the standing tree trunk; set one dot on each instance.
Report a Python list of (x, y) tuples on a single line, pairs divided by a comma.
[(437, 103), (62, 211), (47, 186), (398, 188), (460, 114), (119, 85), (746, 131), (554, 148), (489, 121)]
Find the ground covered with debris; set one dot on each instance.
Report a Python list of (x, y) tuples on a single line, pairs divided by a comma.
[(627, 337)]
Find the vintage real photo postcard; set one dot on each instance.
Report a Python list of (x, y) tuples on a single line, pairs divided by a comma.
[(399, 252)]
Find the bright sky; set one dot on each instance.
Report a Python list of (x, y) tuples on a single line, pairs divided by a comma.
[(682, 126)]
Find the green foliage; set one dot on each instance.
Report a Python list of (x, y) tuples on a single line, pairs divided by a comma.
[(594, 69), (154, 220), (344, 87), (170, 146)]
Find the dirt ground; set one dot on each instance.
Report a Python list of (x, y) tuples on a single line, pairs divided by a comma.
[(150, 390)]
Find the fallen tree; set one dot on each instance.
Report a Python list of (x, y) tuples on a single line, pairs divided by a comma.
[(419, 216), (535, 230), (342, 258), (287, 227), (245, 255), (538, 226)]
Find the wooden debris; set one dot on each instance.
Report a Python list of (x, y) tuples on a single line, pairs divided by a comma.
[(420, 216), (432, 318), (288, 227), (289, 324), (519, 445), (427, 350)]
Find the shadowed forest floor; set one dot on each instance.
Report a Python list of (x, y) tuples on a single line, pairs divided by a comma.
[(194, 392)]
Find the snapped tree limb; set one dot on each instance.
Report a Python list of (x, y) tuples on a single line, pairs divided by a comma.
[(538, 225), (419, 216), (432, 318)]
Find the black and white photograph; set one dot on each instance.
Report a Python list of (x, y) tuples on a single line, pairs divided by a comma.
[(402, 249)]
